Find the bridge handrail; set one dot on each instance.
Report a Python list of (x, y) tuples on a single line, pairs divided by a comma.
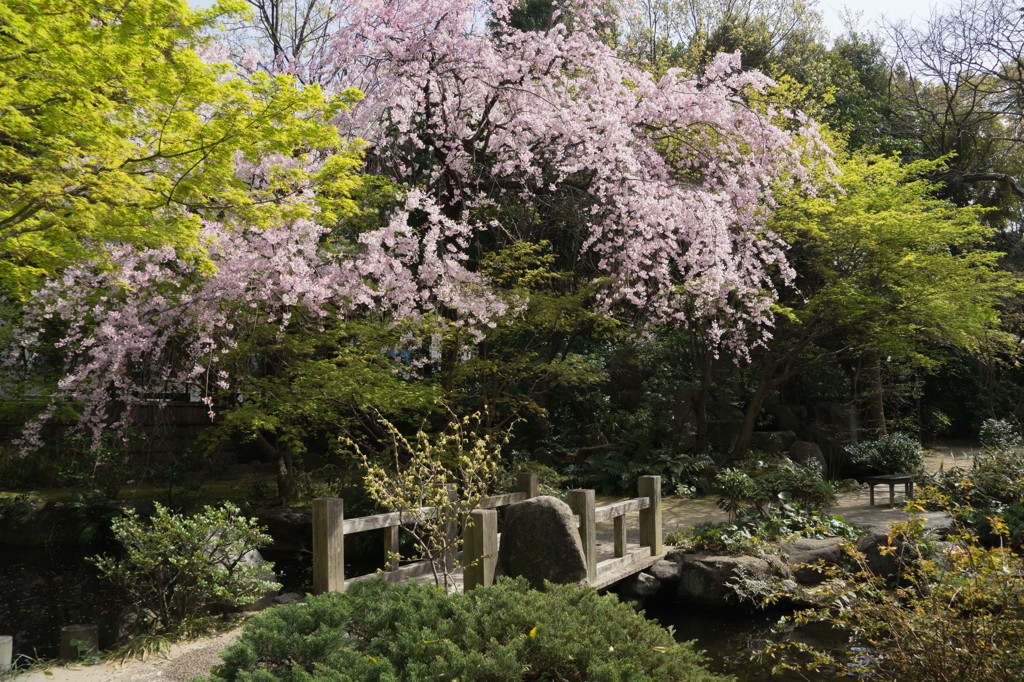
[(480, 537), (330, 528), (607, 512), (648, 503), (385, 520)]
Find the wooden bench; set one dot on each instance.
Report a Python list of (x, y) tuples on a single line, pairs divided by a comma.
[(891, 480)]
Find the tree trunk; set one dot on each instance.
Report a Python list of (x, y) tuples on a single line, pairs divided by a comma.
[(746, 434), (1018, 411), (876, 394), (700, 407), (283, 466)]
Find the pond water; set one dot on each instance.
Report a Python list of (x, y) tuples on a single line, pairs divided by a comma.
[(730, 641), (42, 590), (45, 589)]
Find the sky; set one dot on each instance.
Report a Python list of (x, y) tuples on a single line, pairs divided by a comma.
[(872, 11)]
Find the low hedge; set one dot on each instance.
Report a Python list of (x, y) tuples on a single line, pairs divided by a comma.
[(376, 631)]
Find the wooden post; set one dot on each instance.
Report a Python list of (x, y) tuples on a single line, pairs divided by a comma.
[(6, 653), (392, 552), (650, 518), (582, 503), (527, 482), (480, 548), (78, 641), (451, 528), (620, 535), (328, 545)]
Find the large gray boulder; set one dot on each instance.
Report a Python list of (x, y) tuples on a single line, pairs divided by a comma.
[(808, 558), (806, 453), (253, 560), (666, 571), (704, 579), (540, 541)]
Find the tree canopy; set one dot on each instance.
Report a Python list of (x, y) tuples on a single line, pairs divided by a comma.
[(301, 211), (121, 124)]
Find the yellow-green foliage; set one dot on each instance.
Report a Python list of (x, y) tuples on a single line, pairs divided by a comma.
[(956, 613), (888, 265), (114, 128), (436, 480)]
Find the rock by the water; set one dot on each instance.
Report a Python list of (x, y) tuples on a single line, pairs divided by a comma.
[(807, 557), (704, 579), (254, 560), (541, 541), (879, 559), (640, 585), (666, 571)]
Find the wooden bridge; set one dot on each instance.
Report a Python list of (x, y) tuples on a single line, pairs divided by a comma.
[(480, 537)]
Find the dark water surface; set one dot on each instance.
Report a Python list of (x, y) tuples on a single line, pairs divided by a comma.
[(44, 589), (730, 641)]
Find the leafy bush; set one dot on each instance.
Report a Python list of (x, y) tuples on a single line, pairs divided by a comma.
[(377, 631), (895, 453), (176, 567), (995, 478), (719, 538), (999, 434), (1005, 528), (735, 488), (618, 471), (958, 618), (764, 482), (789, 521), (449, 472), (750, 532), (782, 479)]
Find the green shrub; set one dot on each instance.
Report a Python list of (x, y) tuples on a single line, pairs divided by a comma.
[(1006, 527), (772, 480), (750, 533), (176, 567), (735, 489), (782, 480), (999, 434), (791, 521), (895, 453), (377, 631), (956, 618), (617, 471), (995, 479)]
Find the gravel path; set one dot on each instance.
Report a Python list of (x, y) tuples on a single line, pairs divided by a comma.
[(180, 663)]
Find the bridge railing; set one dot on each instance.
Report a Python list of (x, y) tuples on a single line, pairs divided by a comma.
[(480, 536), (330, 528)]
